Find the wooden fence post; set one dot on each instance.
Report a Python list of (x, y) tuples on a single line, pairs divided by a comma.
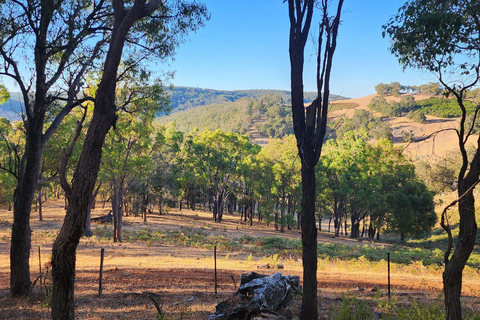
[(215, 260), (102, 255), (388, 262)]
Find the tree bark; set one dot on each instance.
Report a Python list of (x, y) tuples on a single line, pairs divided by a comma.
[(86, 172), (452, 276), (24, 194)]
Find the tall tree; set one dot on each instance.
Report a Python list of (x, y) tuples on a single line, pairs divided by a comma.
[(138, 22), (442, 37), (126, 159), (310, 126), (61, 40), (216, 158)]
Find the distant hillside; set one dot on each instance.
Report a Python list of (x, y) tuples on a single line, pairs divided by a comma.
[(13, 107), (226, 116), (263, 118), (423, 143), (184, 98)]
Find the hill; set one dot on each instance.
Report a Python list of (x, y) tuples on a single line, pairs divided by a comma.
[(13, 107), (184, 98), (431, 140)]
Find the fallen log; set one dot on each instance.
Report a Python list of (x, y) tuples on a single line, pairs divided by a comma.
[(259, 297), (103, 219)]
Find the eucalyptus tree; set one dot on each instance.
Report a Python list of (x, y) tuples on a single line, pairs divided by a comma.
[(310, 125), (442, 37), (164, 174), (46, 48), (283, 155), (126, 160), (152, 29), (11, 149), (216, 157)]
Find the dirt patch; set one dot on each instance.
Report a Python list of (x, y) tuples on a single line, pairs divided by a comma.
[(182, 278)]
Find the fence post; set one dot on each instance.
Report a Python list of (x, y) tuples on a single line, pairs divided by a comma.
[(40, 267), (215, 260), (388, 262), (102, 255)]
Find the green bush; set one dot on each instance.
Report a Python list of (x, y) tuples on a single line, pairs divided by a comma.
[(351, 308)]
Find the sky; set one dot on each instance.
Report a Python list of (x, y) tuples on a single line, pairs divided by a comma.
[(245, 46)]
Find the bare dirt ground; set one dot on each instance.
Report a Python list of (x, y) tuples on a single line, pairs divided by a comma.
[(181, 278)]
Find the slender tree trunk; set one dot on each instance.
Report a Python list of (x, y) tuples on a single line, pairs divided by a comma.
[(452, 276), (276, 215), (115, 206), (23, 196), (86, 172), (282, 212), (64, 247), (309, 244), (40, 207), (355, 229)]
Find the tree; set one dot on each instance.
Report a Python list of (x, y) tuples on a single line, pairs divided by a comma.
[(11, 148), (310, 126), (61, 40), (126, 159), (441, 37), (216, 157), (283, 154), (143, 23)]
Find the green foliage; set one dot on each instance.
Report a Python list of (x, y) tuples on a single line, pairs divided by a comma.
[(393, 88), (184, 98), (4, 94), (278, 121), (418, 311), (431, 88), (361, 180), (364, 120), (444, 108), (417, 116), (430, 34), (277, 244), (351, 308), (439, 176), (379, 104), (227, 117)]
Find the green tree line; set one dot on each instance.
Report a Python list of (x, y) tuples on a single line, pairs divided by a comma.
[(147, 167)]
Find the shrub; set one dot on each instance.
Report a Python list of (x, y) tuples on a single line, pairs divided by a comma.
[(352, 308)]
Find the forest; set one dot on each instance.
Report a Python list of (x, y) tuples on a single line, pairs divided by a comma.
[(148, 167), (92, 129)]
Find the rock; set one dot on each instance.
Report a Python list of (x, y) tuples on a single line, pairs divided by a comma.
[(259, 297)]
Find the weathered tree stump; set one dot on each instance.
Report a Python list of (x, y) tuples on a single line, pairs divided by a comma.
[(259, 297)]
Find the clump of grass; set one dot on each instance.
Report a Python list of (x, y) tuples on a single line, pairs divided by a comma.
[(351, 308), (418, 311)]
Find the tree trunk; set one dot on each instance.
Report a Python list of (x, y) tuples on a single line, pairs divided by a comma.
[(220, 207), (355, 229), (452, 276), (309, 244), (276, 215), (39, 199), (86, 172), (23, 196), (64, 247)]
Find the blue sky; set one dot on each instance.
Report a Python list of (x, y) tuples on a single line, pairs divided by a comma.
[(245, 46)]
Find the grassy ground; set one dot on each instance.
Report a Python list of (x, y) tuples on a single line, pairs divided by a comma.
[(171, 259)]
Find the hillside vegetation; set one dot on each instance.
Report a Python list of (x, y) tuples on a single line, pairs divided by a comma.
[(184, 98)]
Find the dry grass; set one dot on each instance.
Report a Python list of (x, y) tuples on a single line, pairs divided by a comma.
[(136, 269)]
